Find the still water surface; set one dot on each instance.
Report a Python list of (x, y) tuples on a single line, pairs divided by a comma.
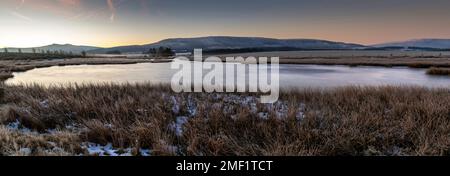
[(291, 76)]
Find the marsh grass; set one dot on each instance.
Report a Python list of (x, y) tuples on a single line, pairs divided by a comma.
[(438, 71), (35, 56), (5, 75), (341, 121)]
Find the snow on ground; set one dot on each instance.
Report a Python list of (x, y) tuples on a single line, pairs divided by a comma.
[(177, 126), (55, 149), (92, 148), (25, 152), (74, 127), (16, 126), (191, 106), (229, 104), (145, 152), (263, 115), (13, 125), (175, 105), (44, 103), (300, 115), (281, 108), (108, 150), (109, 125)]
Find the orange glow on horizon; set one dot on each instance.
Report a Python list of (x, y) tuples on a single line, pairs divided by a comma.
[(109, 23)]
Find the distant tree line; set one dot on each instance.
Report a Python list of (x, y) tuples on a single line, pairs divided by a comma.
[(114, 52), (37, 51), (33, 53), (160, 52)]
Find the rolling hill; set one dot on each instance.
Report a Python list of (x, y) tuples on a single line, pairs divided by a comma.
[(246, 44), (223, 42), (56, 47)]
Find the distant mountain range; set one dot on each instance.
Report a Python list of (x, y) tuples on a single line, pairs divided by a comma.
[(419, 43), (56, 47), (245, 44), (221, 43)]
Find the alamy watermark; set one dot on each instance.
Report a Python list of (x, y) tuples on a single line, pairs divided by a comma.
[(234, 74)]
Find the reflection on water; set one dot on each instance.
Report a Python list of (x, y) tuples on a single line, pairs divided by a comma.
[(290, 75)]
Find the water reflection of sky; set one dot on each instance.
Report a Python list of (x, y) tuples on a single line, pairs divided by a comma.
[(290, 75)]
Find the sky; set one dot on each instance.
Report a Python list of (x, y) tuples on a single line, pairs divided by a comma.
[(106, 23)]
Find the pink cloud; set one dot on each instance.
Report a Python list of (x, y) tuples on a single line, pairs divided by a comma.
[(112, 9), (70, 2), (76, 9)]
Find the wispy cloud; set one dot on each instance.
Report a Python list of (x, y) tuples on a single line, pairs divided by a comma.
[(70, 2), (112, 9), (22, 2), (76, 9), (20, 16)]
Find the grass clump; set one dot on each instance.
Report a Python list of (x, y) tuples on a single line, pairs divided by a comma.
[(5, 75), (438, 71)]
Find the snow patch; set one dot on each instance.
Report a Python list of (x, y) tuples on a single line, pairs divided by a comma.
[(109, 150), (16, 126), (263, 115), (145, 152), (280, 108), (191, 106), (300, 115), (25, 151), (44, 103), (13, 125), (175, 105), (110, 126), (177, 126)]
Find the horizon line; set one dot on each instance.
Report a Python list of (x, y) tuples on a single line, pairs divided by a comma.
[(147, 43)]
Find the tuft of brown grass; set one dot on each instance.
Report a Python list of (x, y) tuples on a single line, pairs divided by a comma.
[(5, 75), (341, 121), (438, 71)]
